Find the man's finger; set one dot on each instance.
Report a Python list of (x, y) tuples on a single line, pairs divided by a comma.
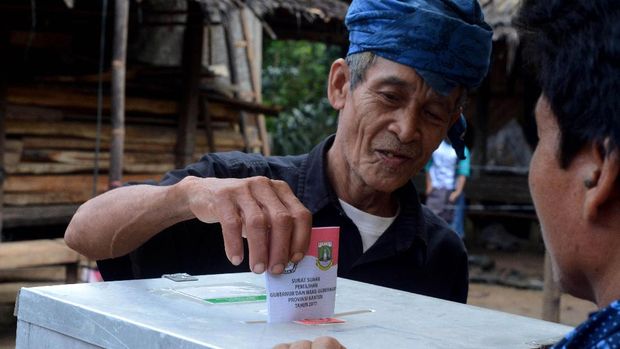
[(228, 216), (280, 223), (302, 220), (255, 225), (326, 343), (303, 344)]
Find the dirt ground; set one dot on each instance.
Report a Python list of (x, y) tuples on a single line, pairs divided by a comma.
[(526, 302)]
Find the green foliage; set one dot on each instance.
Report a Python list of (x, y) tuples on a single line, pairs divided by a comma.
[(295, 78)]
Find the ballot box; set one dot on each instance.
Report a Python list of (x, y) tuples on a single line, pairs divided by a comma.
[(229, 311)]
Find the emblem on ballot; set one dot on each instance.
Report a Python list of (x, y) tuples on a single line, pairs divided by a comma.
[(324, 261), (307, 289)]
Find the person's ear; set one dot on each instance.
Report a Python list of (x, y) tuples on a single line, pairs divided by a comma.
[(602, 180), (338, 83)]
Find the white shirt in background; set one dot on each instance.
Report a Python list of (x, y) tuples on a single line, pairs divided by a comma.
[(443, 169)]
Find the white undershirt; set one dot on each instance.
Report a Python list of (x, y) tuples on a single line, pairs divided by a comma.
[(370, 226)]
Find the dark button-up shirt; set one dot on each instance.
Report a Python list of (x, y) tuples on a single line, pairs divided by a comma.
[(417, 253)]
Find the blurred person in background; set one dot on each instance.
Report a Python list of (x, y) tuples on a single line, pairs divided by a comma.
[(446, 176)]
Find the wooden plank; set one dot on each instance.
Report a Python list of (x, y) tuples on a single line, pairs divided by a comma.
[(505, 189), (46, 273), (32, 253), (87, 157), (135, 134), (56, 168), (13, 145), (79, 100), (61, 41), (37, 215), (71, 183), (87, 144), (8, 291), (24, 112), (500, 188), (24, 199)]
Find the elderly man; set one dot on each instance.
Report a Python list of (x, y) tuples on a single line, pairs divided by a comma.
[(398, 93)]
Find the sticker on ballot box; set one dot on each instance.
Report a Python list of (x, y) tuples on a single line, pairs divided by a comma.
[(225, 293), (306, 290)]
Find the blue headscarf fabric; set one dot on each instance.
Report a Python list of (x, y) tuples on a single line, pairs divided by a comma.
[(447, 42)]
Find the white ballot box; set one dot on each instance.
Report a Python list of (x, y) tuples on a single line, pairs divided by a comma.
[(229, 311)]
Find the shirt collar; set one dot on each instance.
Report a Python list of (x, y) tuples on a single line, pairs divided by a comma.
[(314, 189)]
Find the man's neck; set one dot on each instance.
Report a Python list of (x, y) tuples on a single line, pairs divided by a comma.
[(350, 188)]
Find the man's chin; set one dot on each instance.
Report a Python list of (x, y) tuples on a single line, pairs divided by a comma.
[(387, 185)]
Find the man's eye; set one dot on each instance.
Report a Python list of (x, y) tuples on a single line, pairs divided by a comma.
[(390, 97), (431, 114), (434, 116)]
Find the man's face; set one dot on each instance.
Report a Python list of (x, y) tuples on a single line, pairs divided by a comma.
[(390, 125), (555, 192)]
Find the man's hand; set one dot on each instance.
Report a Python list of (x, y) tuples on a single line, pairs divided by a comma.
[(319, 343), (266, 212), (453, 196)]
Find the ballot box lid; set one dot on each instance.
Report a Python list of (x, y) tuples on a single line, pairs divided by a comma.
[(162, 313)]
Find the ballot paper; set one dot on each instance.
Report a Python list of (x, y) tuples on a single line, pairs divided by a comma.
[(306, 290)]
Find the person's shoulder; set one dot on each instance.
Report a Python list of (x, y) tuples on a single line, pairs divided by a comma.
[(242, 165)]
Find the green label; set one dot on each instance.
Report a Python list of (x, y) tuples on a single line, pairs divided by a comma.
[(240, 299)]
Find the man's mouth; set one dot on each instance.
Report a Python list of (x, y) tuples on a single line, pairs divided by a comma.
[(391, 159), (391, 155)]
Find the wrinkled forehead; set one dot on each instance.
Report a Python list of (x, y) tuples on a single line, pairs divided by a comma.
[(387, 73)]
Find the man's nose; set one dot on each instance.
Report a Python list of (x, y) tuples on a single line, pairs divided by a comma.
[(405, 125)]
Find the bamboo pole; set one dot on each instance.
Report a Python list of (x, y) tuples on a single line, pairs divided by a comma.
[(189, 106), (119, 55)]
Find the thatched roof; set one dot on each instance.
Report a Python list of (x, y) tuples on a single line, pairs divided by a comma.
[(324, 19), (310, 10)]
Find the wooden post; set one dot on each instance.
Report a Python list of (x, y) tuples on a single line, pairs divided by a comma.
[(119, 54), (206, 117), (234, 75), (254, 65), (551, 293), (4, 43), (189, 105), (482, 121)]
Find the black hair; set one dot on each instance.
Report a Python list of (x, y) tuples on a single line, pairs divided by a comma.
[(358, 65), (575, 48)]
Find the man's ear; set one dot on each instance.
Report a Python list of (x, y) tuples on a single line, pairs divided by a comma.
[(603, 181), (338, 83)]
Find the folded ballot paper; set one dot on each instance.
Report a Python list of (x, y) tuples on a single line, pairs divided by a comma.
[(306, 290)]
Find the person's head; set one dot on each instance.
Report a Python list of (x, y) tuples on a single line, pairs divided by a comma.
[(574, 176), (401, 87)]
